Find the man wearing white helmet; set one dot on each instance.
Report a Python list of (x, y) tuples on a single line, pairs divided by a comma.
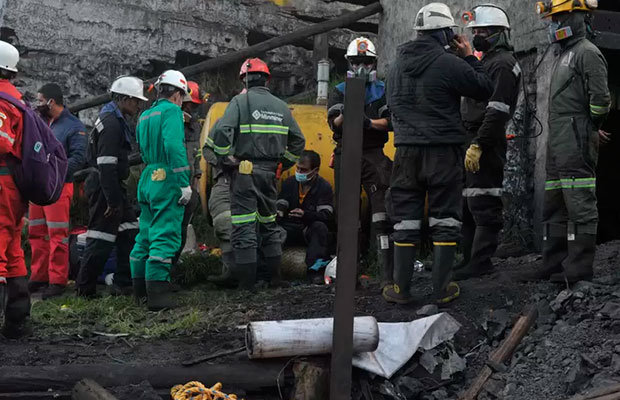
[(376, 167), (14, 296), (485, 123), (163, 191), (112, 220), (425, 85)]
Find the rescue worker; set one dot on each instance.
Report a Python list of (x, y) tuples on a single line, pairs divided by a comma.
[(14, 297), (376, 166), (256, 133), (426, 84), (163, 191), (485, 123), (306, 210), (112, 220), (578, 105), (49, 226), (219, 209), (192, 144)]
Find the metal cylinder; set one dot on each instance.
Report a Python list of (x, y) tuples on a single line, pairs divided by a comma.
[(323, 82), (304, 337)]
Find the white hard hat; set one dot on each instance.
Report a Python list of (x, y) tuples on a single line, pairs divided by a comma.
[(486, 15), (9, 56), (361, 47), (434, 16), (129, 86), (173, 78)]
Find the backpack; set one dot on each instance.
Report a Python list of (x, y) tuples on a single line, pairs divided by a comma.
[(40, 175)]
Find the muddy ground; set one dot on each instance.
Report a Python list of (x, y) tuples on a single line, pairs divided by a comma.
[(574, 345)]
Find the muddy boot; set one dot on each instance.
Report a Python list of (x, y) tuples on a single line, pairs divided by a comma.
[(139, 290), (444, 290), (485, 244), (467, 242), (116, 290), (276, 272), (555, 251), (34, 286), (404, 259), (17, 309), (158, 296), (578, 264), (386, 262), (53, 291), (246, 275)]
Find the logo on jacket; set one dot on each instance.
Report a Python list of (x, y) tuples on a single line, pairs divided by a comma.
[(268, 115), (38, 146)]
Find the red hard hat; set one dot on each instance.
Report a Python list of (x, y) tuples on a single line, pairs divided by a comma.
[(194, 92), (254, 65)]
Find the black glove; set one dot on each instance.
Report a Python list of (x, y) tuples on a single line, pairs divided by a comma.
[(367, 122), (335, 110), (598, 120)]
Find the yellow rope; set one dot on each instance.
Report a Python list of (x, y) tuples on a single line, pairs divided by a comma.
[(197, 391)]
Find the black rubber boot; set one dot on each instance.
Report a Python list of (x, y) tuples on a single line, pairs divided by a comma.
[(53, 291), (443, 262), (246, 275), (17, 309), (578, 264), (274, 264), (555, 251), (386, 261), (485, 244), (95, 256), (468, 231), (158, 296), (404, 260), (139, 290), (34, 286)]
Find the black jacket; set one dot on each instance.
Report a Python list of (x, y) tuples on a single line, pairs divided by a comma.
[(486, 121), (108, 150), (424, 91), (375, 108), (318, 204)]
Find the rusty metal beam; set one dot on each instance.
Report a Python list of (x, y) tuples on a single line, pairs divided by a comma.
[(348, 221)]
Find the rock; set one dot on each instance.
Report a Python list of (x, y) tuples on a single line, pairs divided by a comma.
[(428, 360), (615, 363), (440, 394), (509, 390), (559, 302), (608, 280), (409, 386), (494, 387), (576, 378), (428, 310), (611, 310), (583, 286), (495, 323), (388, 389), (452, 365)]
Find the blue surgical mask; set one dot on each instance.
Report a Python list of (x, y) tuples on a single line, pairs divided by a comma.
[(301, 178)]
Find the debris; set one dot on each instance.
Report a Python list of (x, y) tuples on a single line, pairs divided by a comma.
[(87, 389), (501, 354), (560, 300), (428, 360), (452, 365), (311, 381), (399, 341), (110, 335), (388, 389), (302, 337), (611, 310), (428, 310), (496, 323)]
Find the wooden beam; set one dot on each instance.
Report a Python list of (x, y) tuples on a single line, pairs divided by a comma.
[(237, 56), (348, 221)]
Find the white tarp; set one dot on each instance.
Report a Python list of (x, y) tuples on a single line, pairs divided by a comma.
[(399, 341)]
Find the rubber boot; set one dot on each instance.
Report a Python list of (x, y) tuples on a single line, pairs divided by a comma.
[(484, 246), (158, 296), (225, 278), (578, 264), (139, 290), (3, 293), (246, 275), (399, 292), (17, 309), (468, 231), (555, 251), (444, 290), (386, 262), (276, 272)]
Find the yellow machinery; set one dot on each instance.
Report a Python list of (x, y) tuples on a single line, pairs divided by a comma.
[(313, 123)]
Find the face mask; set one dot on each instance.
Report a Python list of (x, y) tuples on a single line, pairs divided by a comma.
[(364, 72), (302, 178), (481, 43), (44, 109)]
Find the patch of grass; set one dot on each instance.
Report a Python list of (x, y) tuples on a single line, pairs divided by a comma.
[(195, 268), (199, 310)]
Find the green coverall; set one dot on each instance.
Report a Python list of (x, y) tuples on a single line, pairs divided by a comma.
[(579, 102), (160, 135)]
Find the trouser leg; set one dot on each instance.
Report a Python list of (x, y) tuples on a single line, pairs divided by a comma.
[(316, 237), (468, 230), (270, 236), (188, 214), (243, 199), (140, 252), (39, 244), (57, 216)]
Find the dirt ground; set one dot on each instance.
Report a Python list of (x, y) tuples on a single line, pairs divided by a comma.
[(548, 365)]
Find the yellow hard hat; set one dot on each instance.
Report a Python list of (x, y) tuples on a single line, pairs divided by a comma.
[(547, 9)]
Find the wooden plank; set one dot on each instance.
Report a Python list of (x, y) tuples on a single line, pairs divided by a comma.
[(348, 221), (87, 389), (504, 351), (238, 56)]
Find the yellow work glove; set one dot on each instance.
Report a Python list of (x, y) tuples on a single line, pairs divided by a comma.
[(472, 158), (245, 167)]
